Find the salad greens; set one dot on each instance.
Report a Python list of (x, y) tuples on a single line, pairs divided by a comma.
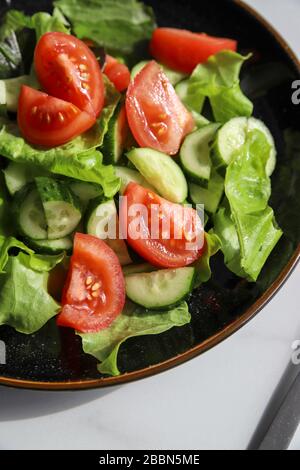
[(25, 303), (133, 322), (218, 80), (246, 225), (240, 220), (123, 28)]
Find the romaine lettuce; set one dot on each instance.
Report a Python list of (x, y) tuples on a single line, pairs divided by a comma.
[(121, 27), (218, 80), (248, 229), (24, 300), (134, 321)]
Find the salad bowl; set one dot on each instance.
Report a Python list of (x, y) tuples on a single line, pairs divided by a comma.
[(52, 359)]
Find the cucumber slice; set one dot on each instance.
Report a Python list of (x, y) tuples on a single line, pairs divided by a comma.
[(30, 214), (233, 135), (160, 289), (210, 197), (102, 222), (138, 269), (116, 137), (161, 172), (51, 247), (18, 175), (127, 175), (173, 76), (62, 208), (86, 192), (138, 68), (195, 154)]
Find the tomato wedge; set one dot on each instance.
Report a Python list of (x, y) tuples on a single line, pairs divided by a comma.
[(117, 73), (94, 294), (156, 116), (48, 121), (183, 50), (68, 69), (175, 241)]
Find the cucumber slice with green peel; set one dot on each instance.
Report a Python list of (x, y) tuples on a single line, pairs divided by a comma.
[(116, 137), (210, 197), (161, 171), (51, 247), (30, 214), (160, 289), (62, 208), (138, 68), (102, 222), (138, 269), (173, 76), (127, 175), (195, 154), (86, 192), (18, 175), (232, 136)]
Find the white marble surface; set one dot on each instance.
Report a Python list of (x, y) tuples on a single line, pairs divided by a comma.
[(213, 402)]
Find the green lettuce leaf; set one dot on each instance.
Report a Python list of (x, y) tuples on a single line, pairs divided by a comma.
[(218, 80), (25, 303), (41, 23), (11, 62), (203, 270), (121, 27), (248, 229), (6, 244), (134, 321)]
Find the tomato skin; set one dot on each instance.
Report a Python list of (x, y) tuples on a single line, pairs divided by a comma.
[(47, 121), (155, 114), (68, 69), (117, 73), (183, 50), (94, 294), (163, 253)]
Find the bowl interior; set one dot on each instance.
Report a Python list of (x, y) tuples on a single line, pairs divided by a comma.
[(54, 355)]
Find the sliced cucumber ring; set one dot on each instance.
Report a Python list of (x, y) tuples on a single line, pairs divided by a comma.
[(62, 208), (195, 154), (160, 289), (161, 172), (232, 136), (31, 216), (51, 247)]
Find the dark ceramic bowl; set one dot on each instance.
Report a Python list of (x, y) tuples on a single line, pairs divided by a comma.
[(52, 359)]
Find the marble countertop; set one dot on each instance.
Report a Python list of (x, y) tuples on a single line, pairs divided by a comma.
[(213, 402)]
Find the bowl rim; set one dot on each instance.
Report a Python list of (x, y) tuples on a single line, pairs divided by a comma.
[(214, 340)]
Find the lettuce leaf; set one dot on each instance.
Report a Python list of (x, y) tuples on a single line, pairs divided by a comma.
[(11, 62), (25, 303), (6, 244), (121, 27), (247, 226), (218, 80), (41, 23), (78, 159), (203, 270), (134, 321)]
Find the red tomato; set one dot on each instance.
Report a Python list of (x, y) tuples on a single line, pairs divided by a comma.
[(49, 122), (156, 116), (94, 294), (117, 73), (68, 69), (180, 246), (183, 50)]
